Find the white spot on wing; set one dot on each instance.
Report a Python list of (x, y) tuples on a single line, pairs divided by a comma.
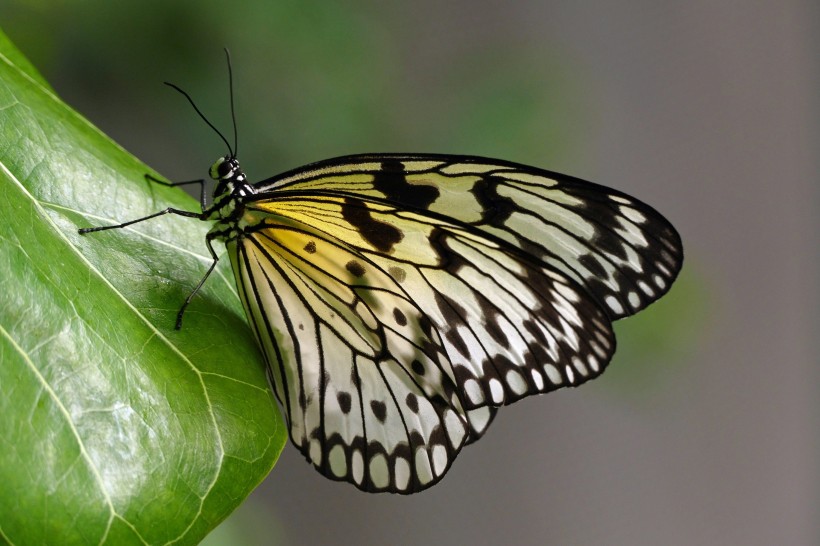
[(580, 366), (539, 380), (439, 459), (423, 470), (516, 382), (315, 450), (659, 282), (593, 363), (598, 349), (496, 390), (614, 304), (357, 464), (379, 474), (664, 270), (553, 374), (646, 289), (455, 428), (633, 214), (402, 470), (473, 390), (338, 464)]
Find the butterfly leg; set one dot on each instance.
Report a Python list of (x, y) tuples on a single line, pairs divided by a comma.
[(169, 210), (208, 241), (201, 183)]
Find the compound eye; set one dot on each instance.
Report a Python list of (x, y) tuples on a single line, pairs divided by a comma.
[(224, 169)]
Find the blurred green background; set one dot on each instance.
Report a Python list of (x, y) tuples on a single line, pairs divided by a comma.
[(704, 430), (313, 80)]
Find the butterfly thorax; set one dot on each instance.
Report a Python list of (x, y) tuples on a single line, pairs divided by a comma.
[(228, 198)]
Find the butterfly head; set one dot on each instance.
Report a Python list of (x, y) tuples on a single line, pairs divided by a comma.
[(230, 177), (225, 168)]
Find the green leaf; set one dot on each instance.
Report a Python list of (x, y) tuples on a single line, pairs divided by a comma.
[(116, 429)]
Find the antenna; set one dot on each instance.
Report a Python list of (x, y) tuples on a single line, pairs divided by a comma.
[(233, 113), (211, 125)]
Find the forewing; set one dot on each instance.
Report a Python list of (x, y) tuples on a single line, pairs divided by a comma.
[(620, 250)]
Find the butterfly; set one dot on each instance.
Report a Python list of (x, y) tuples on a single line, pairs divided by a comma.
[(401, 299)]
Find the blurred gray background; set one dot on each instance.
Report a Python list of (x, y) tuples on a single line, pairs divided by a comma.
[(705, 428)]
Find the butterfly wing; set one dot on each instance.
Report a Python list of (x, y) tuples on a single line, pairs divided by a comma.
[(622, 251), (401, 299), (353, 361)]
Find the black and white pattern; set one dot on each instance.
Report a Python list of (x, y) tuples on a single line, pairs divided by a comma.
[(401, 299)]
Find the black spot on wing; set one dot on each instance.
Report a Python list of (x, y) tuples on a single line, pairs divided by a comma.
[(495, 209), (310, 248), (450, 261), (398, 273), (355, 268), (593, 265), (416, 439), (412, 402), (401, 320), (392, 182), (344, 401), (379, 410), (379, 234)]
